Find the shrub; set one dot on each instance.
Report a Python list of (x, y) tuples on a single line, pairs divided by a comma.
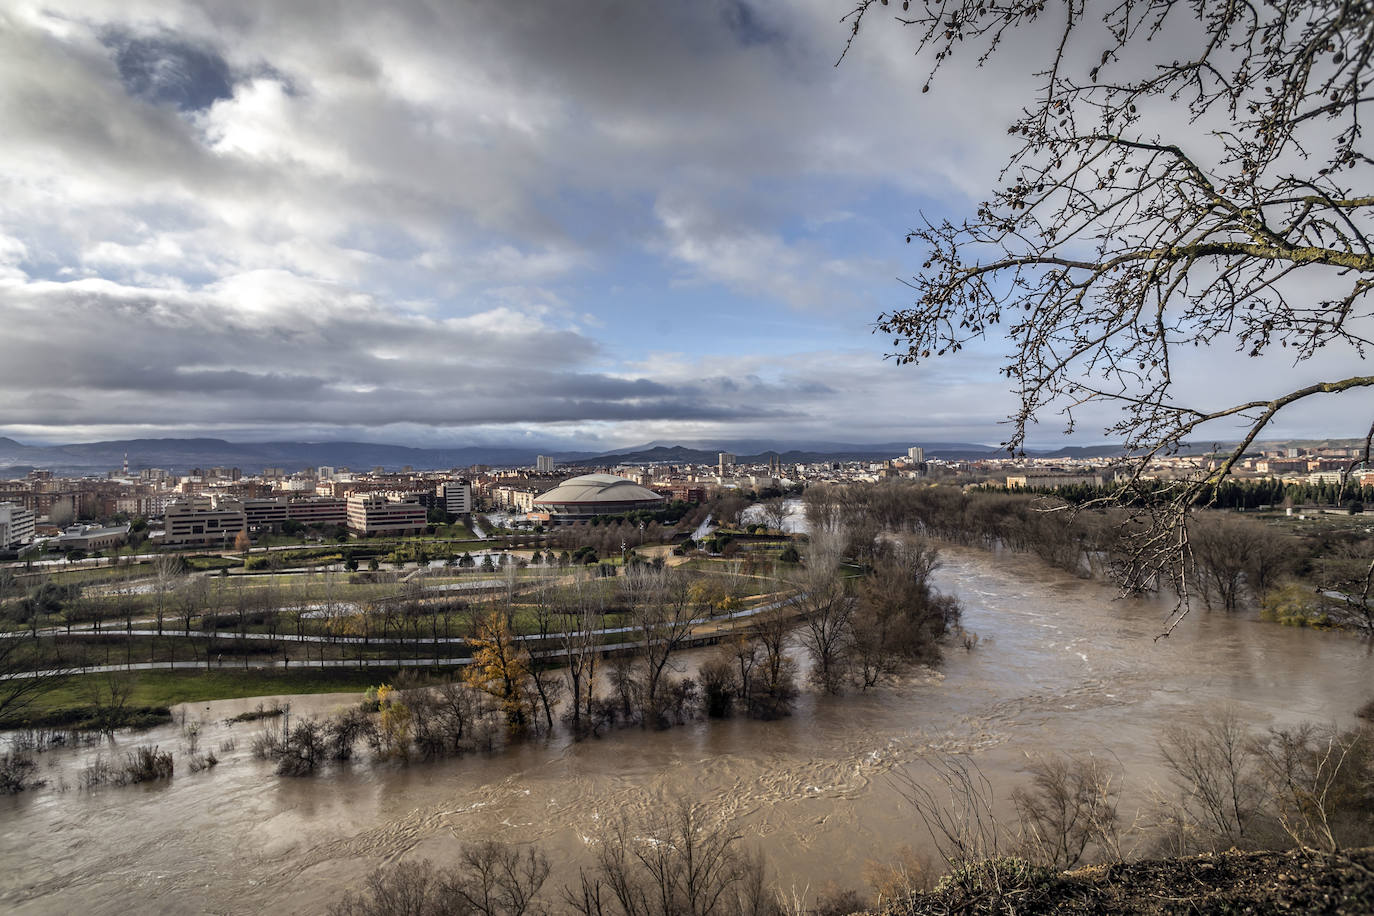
[(16, 773), (203, 762), (342, 732), (261, 712), (998, 876), (491, 878), (718, 686), (303, 750), (146, 764)]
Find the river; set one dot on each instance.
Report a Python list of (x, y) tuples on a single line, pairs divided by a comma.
[(1061, 666)]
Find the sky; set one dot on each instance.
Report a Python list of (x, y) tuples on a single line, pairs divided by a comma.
[(590, 225)]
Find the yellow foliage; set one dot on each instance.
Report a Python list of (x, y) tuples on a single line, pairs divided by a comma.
[(395, 728), (1294, 605), (500, 667)]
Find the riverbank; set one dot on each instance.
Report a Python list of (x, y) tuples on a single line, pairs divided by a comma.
[(1062, 668), (68, 705), (1220, 883)]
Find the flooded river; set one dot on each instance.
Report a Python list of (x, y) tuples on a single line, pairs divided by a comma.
[(1061, 667)]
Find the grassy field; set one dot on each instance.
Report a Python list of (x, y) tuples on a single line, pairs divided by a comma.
[(228, 604), (169, 688), (86, 575)]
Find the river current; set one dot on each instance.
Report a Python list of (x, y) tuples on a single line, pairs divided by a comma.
[(1062, 666)]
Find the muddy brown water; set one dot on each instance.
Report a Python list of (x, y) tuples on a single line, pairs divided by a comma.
[(1062, 666)]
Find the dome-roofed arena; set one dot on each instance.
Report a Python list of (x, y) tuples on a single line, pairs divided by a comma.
[(583, 498)]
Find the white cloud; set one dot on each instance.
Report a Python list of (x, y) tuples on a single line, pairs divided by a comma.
[(351, 215)]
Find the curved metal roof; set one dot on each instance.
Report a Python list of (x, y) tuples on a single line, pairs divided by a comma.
[(591, 489)]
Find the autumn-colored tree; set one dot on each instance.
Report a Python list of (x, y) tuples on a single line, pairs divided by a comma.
[(501, 667), (393, 728), (242, 542)]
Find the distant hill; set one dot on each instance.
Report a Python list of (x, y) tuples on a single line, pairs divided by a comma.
[(830, 451), (180, 455)]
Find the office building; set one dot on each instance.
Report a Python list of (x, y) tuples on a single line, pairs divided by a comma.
[(199, 522), (376, 513), (455, 497), (16, 526)]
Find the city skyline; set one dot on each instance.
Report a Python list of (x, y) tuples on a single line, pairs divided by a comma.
[(618, 225)]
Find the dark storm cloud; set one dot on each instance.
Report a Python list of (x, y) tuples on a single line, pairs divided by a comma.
[(182, 356)]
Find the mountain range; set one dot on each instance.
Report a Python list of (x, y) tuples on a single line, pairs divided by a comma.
[(180, 455)]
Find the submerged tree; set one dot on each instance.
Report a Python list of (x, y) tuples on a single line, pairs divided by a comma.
[(1125, 231), (501, 667)]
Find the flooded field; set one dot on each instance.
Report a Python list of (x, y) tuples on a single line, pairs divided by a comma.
[(1061, 667)]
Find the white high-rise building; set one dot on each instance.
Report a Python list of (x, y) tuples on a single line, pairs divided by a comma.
[(916, 454), (455, 496), (16, 525), (544, 464), (724, 460)]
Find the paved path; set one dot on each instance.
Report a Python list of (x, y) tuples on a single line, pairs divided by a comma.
[(706, 631)]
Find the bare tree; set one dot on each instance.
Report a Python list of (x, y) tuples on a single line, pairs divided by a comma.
[(1319, 779), (679, 864), (1346, 580), (581, 616), (500, 880), (775, 513), (491, 879), (168, 571), (1124, 233), (548, 686), (664, 615), (825, 607), (1216, 769), (1070, 805), (955, 802), (772, 685), (107, 694), (899, 616), (1231, 552)]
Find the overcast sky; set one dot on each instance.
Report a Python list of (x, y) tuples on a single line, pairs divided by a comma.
[(587, 223)]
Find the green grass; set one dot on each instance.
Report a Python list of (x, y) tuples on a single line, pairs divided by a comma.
[(168, 688), (87, 576), (200, 563), (457, 531)]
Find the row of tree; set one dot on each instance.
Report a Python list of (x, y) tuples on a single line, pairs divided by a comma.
[(1229, 559)]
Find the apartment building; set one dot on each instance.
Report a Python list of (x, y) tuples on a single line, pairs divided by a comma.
[(318, 512), (198, 522), (265, 512), (455, 496), (16, 525), (376, 513)]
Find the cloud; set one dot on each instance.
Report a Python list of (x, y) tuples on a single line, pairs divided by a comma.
[(474, 218), (258, 350)]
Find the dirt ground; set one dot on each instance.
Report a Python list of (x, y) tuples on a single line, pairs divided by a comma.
[(1223, 883)]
